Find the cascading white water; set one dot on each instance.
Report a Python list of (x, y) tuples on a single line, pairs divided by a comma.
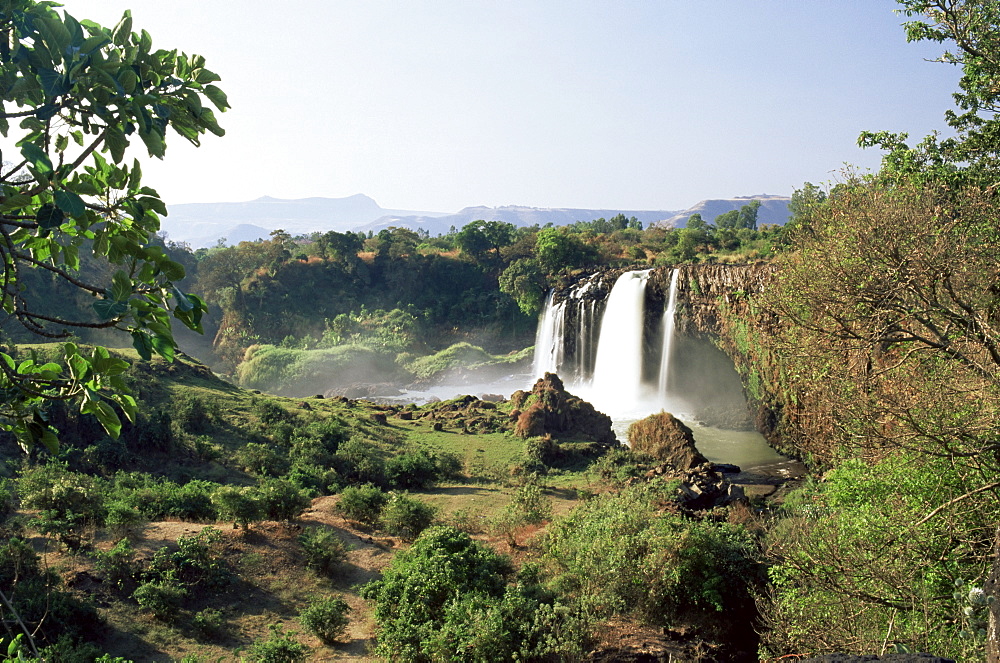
[(668, 336), (549, 338), (618, 368)]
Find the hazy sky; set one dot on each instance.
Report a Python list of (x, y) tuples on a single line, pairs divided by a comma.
[(440, 104)]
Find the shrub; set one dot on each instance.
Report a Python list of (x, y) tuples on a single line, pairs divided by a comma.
[(362, 503), (208, 623), (280, 499), (192, 416), (466, 611), (326, 619), (117, 564), (241, 505), (196, 562), (121, 517), (634, 560), (261, 459), (67, 501), (414, 470), (360, 462), (52, 615), (163, 598), (314, 479), (406, 517), (527, 506), (324, 550), (280, 647)]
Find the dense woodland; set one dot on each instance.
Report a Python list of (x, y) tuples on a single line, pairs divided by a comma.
[(158, 507)]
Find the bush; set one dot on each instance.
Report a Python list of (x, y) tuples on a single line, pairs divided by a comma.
[(192, 416), (324, 550), (280, 499), (261, 459), (280, 647), (406, 517), (117, 564), (49, 613), (466, 611), (67, 501), (527, 506), (360, 462), (362, 503), (326, 619), (241, 505), (196, 562), (208, 623), (414, 470), (633, 559), (163, 598)]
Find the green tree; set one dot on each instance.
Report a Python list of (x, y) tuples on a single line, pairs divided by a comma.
[(79, 95), (696, 222), (482, 241), (524, 281), (969, 29), (557, 249)]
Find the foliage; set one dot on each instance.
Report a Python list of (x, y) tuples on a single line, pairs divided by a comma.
[(163, 598), (324, 550), (33, 597), (525, 282), (118, 564), (970, 156), (81, 94), (446, 598), (527, 506), (892, 285), (630, 558), (362, 503), (67, 502), (280, 499), (411, 597), (865, 557), (240, 504), (197, 562), (280, 647), (406, 517), (326, 618)]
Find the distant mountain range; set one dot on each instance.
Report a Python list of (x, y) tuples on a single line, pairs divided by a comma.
[(204, 224)]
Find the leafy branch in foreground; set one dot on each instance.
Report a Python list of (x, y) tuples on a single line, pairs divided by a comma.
[(75, 97)]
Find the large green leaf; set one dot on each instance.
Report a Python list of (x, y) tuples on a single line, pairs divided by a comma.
[(121, 286), (36, 157), (109, 309), (49, 216), (70, 203)]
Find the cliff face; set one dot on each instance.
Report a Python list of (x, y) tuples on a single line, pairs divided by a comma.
[(705, 292)]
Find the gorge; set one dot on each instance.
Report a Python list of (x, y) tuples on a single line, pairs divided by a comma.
[(635, 342)]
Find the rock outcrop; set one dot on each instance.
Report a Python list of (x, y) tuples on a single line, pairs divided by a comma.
[(548, 409), (666, 438)]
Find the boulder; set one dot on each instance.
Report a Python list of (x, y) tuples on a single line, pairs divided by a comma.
[(665, 437), (550, 410)]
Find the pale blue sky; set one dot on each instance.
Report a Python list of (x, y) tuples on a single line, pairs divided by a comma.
[(437, 105)]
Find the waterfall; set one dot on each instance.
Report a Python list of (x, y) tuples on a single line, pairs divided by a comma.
[(669, 315), (598, 343), (618, 367), (549, 338)]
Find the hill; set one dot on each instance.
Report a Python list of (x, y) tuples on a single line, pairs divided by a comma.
[(773, 210)]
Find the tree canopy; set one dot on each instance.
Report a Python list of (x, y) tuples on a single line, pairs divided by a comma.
[(76, 97)]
